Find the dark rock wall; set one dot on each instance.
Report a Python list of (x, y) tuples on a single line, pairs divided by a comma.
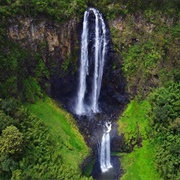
[(59, 45)]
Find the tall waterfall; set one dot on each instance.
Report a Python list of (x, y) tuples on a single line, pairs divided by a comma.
[(105, 161), (93, 48)]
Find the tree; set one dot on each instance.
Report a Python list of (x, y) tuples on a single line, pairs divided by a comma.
[(11, 141), (5, 120)]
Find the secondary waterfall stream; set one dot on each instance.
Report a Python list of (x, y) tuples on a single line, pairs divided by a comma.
[(105, 161), (91, 50)]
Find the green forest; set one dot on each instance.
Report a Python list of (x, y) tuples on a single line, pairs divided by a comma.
[(39, 138)]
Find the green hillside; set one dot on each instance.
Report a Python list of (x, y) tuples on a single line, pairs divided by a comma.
[(62, 127), (151, 135), (40, 141), (140, 163)]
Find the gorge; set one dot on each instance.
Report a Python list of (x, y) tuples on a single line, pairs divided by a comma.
[(89, 89), (95, 43)]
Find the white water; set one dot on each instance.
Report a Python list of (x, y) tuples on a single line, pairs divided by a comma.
[(105, 160), (80, 109), (100, 43)]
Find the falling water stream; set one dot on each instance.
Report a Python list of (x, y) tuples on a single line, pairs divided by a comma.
[(98, 54), (93, 55), (105, 161), (80, 106)]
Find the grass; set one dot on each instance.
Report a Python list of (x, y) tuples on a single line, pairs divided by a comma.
[(134, 118), (62, 126), (139, 164)]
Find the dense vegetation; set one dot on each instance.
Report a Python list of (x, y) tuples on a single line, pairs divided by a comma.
[(149, 45), (165, 103), (57, 10), (151, 66), (151, 130), (41, 141), (64, 9), (33, 148), (21, 72), (133, 124)]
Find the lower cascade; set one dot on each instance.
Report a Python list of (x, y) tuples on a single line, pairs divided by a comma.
[(105, 159)]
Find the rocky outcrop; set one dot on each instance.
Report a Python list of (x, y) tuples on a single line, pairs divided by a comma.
[(57, 43), (59, 47), (30, 32), (140, 29)]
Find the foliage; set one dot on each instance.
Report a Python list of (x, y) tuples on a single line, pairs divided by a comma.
[(165, 111), (49, 150), (150, 56), (65, 9), (149, 45), (134, 124), (158, 119), (5, 120), (69, 64), (62, 126), (142, 59), (122, 7), (11, 140), (146, 56), (21, 72), (87, 170), (139, 164), (52, 145), (57, 10)]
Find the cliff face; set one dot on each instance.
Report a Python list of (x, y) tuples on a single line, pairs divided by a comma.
[(148, 45), (57, 44), (142, 45), (35, 32)]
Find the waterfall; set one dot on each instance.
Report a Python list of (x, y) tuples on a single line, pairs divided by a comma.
[(97, 53), (105, 160), (80, 109)]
